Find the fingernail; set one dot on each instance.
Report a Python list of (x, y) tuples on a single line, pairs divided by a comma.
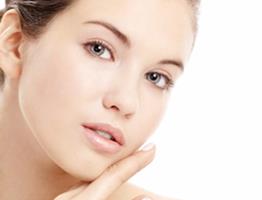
[(148, 147)]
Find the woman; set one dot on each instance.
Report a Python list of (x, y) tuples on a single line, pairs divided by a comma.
[(83, 85)]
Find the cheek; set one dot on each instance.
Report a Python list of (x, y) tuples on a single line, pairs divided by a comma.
[(55, 82), (52, 93), (150, 115), (45, 88), (46, 100), (155, 114)]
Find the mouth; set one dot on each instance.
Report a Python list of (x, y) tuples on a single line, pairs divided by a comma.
[(104, 137)]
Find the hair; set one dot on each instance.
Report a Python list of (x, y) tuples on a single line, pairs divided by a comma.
[(36, 14)]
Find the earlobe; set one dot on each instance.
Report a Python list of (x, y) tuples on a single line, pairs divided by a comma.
[(10, 43)]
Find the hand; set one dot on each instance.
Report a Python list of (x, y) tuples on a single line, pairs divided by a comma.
[(112, 178)]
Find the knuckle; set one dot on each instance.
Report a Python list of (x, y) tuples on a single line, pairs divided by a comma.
[(112, 169), (137, 165), (121, 178), (120, 172), (119, 175)]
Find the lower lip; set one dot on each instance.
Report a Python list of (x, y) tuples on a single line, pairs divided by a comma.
[(100, 143)]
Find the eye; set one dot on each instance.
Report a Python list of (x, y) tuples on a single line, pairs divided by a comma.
[(100, 49), (160, 80)]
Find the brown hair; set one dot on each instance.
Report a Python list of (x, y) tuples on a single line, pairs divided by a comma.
[(36, 14)]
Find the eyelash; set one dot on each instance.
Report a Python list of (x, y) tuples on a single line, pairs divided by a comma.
[(101, 43), (170, 82)]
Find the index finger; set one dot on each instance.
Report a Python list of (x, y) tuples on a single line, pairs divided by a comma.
[(118, 174)]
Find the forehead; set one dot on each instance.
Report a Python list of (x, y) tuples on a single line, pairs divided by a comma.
[(163, 23)]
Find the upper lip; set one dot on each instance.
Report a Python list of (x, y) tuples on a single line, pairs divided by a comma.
[(115, 132)]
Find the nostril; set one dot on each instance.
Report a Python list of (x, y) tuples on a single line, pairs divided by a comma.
[(115, 108)]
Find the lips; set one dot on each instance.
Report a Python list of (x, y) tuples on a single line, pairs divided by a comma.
[(114, 132)]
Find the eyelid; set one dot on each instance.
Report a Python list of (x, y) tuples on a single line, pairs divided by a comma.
[(167, 74), (169, 79), (105, 44)]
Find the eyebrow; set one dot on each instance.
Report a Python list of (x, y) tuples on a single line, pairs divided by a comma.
[(126, 41), (177, 63), (121, 36)]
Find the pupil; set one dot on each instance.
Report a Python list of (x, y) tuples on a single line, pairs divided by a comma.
[(98, 48), (154, 76)]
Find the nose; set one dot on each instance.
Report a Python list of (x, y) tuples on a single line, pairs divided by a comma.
[(122, 98)]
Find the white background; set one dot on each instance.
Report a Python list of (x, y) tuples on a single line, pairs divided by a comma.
[(209, 142)]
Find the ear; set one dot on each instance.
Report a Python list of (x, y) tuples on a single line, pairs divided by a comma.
[(10, 43)]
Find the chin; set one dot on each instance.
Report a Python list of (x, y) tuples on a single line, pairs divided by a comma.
[(88, 173), (90, 177)]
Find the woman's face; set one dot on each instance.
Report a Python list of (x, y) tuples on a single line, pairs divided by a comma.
[(82, 71)]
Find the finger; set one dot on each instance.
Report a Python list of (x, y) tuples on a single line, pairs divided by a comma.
[(118, 174), (142, 197), (72, 191)]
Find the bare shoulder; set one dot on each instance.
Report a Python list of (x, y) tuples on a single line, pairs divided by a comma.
[(130, 191)]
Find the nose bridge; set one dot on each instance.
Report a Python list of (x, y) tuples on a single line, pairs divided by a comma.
[(123, 93)]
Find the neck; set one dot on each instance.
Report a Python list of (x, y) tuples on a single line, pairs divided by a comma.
[(26, 172)]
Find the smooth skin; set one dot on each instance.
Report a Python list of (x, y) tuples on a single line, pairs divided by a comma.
[(55, 83), (103, 187), (111, 185)]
